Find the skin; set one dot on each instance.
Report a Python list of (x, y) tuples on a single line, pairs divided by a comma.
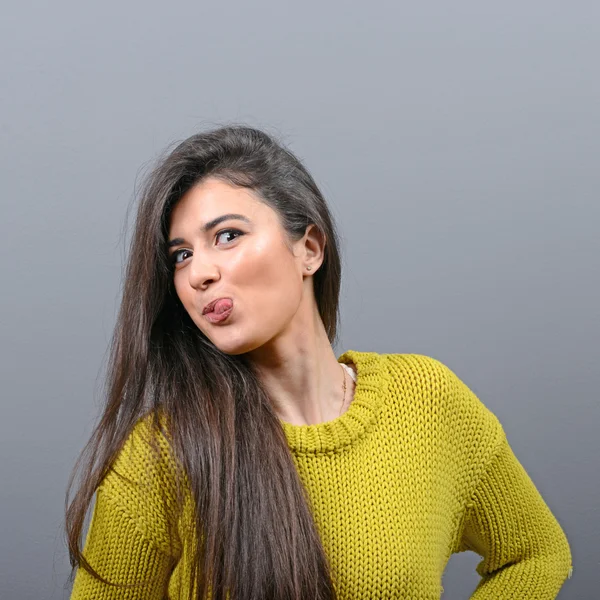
[(275, 319)]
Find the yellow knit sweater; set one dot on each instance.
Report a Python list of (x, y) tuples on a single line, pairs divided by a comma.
[(416, 469)]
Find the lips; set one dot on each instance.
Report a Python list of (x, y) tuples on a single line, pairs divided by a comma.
[(218, 306)]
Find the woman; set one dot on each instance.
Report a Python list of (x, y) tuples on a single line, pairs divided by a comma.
[(238, 457)]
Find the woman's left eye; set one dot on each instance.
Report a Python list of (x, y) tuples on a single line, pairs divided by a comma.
[(237, 233)]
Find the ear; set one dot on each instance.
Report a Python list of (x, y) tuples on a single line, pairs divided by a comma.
[(313, 247)]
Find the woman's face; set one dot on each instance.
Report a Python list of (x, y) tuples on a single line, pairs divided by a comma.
[(244, 259)]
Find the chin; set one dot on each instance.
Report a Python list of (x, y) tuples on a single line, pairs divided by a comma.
[(234, 345), (233, 339)]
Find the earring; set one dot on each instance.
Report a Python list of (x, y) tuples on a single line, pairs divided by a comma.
[(308, 268)]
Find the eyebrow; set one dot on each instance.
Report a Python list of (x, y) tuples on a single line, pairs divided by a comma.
[(210, 225)]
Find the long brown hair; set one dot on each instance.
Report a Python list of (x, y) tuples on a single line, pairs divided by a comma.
[(257, 541)]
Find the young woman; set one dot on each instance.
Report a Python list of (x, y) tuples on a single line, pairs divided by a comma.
[(238, 457)]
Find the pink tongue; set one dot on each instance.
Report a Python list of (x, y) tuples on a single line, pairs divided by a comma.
[(222, 305)]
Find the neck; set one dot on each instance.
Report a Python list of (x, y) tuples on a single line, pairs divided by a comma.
[(302, 376)]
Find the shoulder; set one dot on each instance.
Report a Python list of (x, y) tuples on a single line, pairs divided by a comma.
[(424, 370), (427, 388), (146, 451)]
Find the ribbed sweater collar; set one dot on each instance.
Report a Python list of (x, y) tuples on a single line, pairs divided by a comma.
[(361, 415)]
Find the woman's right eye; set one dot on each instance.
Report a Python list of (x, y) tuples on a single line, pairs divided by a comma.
[(176, 254)]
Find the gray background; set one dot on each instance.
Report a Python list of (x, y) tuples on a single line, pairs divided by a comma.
[(457, 142)]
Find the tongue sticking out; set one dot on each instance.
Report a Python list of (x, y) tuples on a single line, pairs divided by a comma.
[(222, 305)]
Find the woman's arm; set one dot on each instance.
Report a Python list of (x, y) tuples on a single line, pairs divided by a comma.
[(120, 552), (130, 537), (525, 551)]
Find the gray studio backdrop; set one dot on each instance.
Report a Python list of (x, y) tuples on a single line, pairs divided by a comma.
[(457, 142)]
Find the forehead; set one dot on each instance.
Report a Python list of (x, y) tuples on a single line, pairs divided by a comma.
[(213, 197), (213, 192)]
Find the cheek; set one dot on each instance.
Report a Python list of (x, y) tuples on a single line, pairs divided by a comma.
[(273, 284)]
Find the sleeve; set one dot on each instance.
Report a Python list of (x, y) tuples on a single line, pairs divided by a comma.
[(132, 536), (117, 549), (525, 551)]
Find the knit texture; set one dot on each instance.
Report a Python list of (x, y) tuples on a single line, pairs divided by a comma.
[(416, 469)]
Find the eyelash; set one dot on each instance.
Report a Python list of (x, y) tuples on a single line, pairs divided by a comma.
[(230, 230)]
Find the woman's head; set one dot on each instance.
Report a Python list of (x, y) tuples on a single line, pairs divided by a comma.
[(166, 358), (249, 259), (257, 260)]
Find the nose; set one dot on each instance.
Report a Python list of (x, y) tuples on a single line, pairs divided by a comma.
[(201, 272)]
